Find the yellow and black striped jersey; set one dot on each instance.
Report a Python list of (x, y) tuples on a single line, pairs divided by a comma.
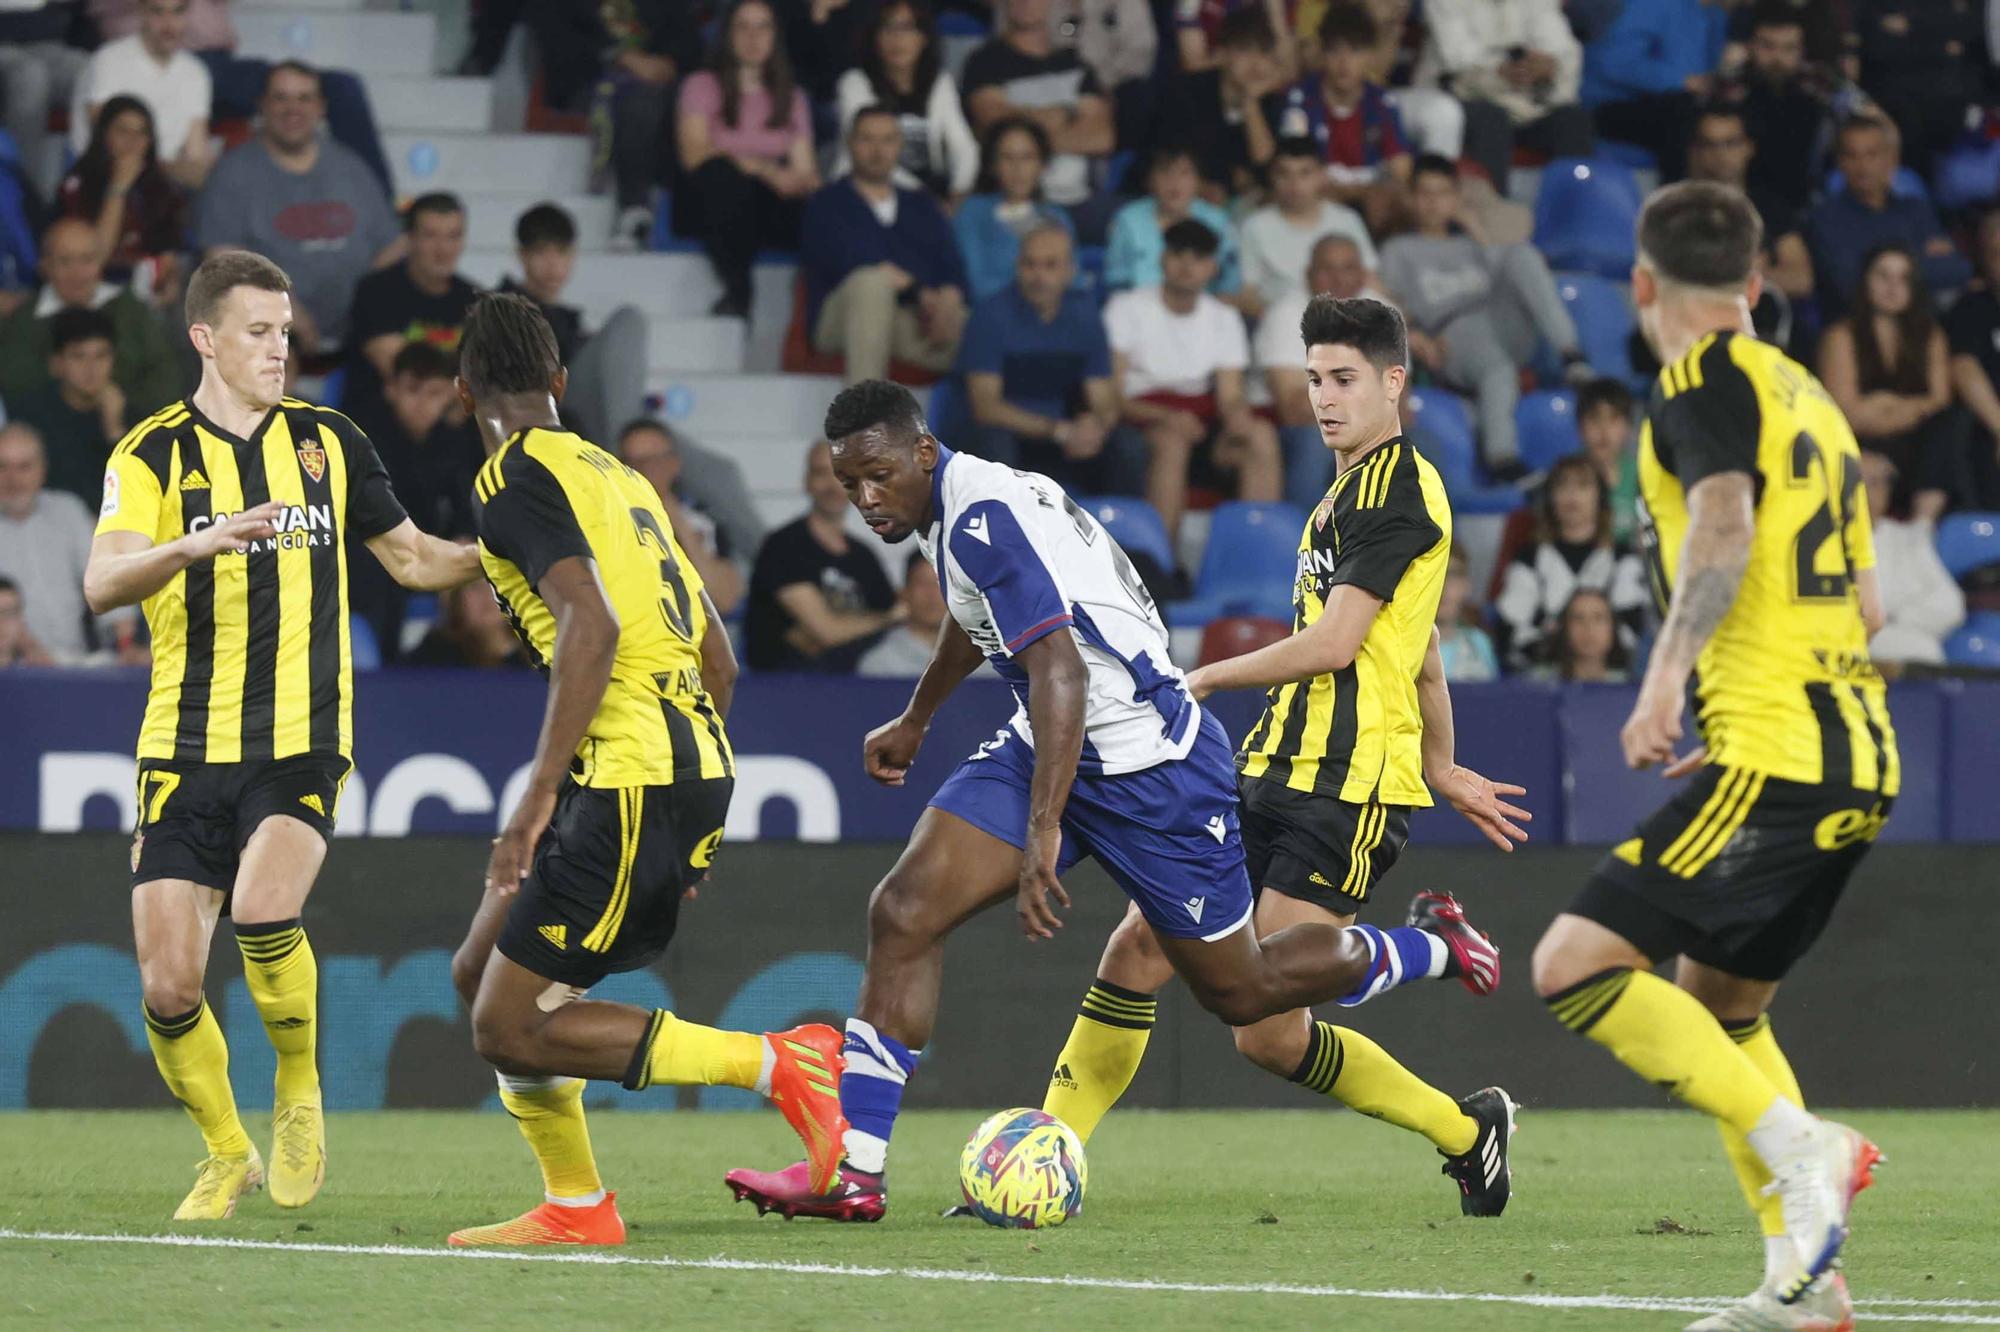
[(251, 658), (547, 495), (1357, 734), (1785, 686)]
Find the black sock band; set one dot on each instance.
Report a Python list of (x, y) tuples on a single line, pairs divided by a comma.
[(1582, 1004), (1116, 1006), (1746, 1030), (1320, 1068), (638, 1071), (177, 1026), (270, 941)]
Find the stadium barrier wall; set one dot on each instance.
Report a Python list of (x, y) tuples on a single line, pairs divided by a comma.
[(1893, 1008), (448, 752)]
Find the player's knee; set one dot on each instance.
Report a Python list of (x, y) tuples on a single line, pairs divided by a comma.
[(1274, 1049), (897, 914), (501, 1040), (1237, 1005), (1131, 949), (170, 992), (1555, 967)]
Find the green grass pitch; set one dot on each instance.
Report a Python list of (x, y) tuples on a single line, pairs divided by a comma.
[(1635, 1214)]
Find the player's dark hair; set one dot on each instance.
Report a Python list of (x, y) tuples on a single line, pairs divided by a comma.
[(1776, 14), (423, 360), (1700, 234), (1373, 328), (221, 274), (1546, 528), (74, 324), (1431, 164), (1349, 25), (873, 402), (9, 585), (441, 202), (1604, 395), (1297, 145), (507, 347), (543, 225), (1188, 236), (299, 67), (1245, 29)]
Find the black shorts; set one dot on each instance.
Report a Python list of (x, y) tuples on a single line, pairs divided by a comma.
[(605, 890), (1317, 848), (1739, 871), (195, 818)]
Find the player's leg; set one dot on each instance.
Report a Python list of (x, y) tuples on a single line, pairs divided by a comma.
[(1108, 1039)]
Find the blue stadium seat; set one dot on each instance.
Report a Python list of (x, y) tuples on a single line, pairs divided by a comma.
[(334, 387), (1249, 566), (1968, 176), (1442, 428), (950, 411), (1135, 525), (1546, 420), (1584, 214), (1603, 317), (1628, 154), (1977, 643), (367, 653), (1968, 541)]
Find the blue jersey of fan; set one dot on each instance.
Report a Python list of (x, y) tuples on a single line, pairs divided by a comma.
[(1155, 795)]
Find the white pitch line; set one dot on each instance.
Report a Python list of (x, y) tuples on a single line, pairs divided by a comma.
[(1620, 1303)]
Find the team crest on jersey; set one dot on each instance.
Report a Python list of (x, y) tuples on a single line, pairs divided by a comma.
[(1323, 514), (312, 458)]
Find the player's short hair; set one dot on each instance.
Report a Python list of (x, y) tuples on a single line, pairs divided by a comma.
[(1431, 164), (1373, 328), (220, 274), (1350, 25), (871, 403), (73, 324), (1604, 395), (1298, 145), (442, 203), (1700, 234), (1188, 236), (508, 346), (543, 225), (1245, 29), (422, 360)]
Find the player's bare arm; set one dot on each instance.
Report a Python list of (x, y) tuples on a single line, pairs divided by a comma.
[(1721, 523), (1057, 683), (818, 627), (1474, 796), (586, 645), (422, 562), (718, 661), (125, 567), (1328, 644), (1870, 592), (891, 748)]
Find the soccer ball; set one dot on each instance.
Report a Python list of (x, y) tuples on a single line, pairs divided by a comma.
[(1023, 1170)]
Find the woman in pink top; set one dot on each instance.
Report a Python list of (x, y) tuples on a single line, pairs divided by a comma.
[(746, 150)]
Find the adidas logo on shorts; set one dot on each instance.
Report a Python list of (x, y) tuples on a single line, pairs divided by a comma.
[(312, 802), (555, 934)]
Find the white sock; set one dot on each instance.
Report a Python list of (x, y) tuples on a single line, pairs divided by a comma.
[(1781, 1259), (1781, 1132), (591, 1199), (1440, 957), (866, 1152), (763, 1087), (527, 1086)]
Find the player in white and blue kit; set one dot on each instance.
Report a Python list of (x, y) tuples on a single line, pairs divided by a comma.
[(1107, 755)]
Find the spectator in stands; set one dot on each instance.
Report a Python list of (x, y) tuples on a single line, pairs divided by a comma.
[(1180, 355), (905, 650), (1844, 227), (421, 299), (1723, 151), (80, 413), (818, 600), (822, 36), (607, 369), (989, 225), (1573, 550), (309, 205), (1586, 649), (1888, 365), (707, 485), (1786, 106), (154, 66), (1021, 72), (902, 68), (1477, 314), (1119, 41), (1924, 63), (38, 70), (17, 646), (1359, 136), (144, 367), (1198, 27), (1973, 327), (652, 450), (1516, 66), (645, 46), (431, 458), (746, 151), (1218, 113), (1334, 266), (1645, 74), (1604, 424), (1465, 648), (118, 187), (1432, 120), (1278, 238), (471, 633), (1921, 602), (1037, 370), (883, 276), (1132, 256), (44, 543)]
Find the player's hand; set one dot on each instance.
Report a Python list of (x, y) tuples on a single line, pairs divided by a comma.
[(236, 532), (514, 848), (889, 750), (1479, 800), (1039, 884), (1653, 729), (1687, 762)]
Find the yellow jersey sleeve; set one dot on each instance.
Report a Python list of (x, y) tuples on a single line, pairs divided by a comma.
[(132, 497)]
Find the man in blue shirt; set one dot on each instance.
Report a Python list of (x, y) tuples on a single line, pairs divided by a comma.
[(1843, 228), (1644, 75), (883, 273), (1037, 369)]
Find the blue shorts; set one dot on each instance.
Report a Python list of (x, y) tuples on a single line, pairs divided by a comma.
[(1168, 834)]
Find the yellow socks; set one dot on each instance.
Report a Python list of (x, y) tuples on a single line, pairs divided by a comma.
[(550, 1113), (283, 977), (1102, 1054), (680, 1053), (1754, 1038), (194, 1061), (1354, 1070), (1662, 1033)]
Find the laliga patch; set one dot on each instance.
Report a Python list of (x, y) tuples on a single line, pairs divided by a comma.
[(110, 504), (1322, 514), (312, 459)]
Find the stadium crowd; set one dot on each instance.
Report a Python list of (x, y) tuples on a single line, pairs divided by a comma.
[(1092, 225)]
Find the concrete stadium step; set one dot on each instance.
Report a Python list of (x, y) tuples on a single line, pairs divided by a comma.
[(746, 407), (341, 38), (530, 165), (700, 345), (294, 6), (431, 106), (489, 222)]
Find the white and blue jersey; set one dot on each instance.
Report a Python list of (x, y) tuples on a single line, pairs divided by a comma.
[(1155, 795)]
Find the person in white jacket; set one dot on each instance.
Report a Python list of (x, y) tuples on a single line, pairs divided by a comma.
[(1922, 602), (902, 68), (1516, 66)]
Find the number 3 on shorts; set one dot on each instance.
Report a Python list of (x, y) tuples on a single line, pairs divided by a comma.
[(163, 784)]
